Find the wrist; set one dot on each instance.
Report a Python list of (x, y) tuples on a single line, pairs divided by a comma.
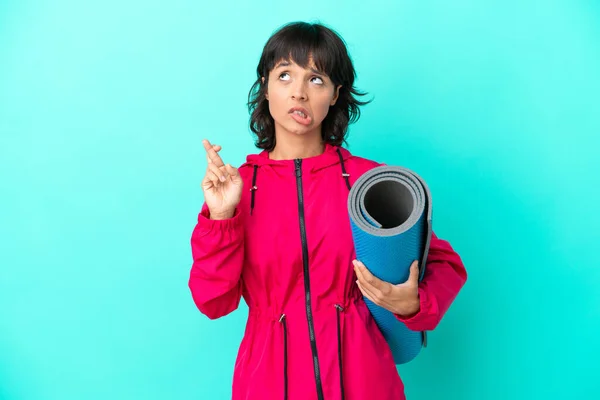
[(411, 307), (222, 215)]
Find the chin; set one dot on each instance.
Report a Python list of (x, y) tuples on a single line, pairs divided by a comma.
[(297, 129), (301, 131)]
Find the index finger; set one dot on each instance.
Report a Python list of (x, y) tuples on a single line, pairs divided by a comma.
[(212, 154)]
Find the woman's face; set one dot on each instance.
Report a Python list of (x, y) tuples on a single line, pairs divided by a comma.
[(299, 98)]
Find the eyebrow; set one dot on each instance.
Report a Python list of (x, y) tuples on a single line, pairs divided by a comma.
[(287, 64)]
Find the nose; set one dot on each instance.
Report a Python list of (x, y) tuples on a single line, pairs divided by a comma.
[(299, 91)]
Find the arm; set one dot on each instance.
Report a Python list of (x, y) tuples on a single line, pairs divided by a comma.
[(218, 254), (444, 276)]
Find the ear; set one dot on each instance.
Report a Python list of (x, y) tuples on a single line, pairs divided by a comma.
[(266, 92), (336, 95)]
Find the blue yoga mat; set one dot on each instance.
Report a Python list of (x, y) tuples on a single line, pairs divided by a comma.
[(390, 215)]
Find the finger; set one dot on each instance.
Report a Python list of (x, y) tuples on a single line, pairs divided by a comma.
[(212, 177), (219, 172), (367, 293), (379, 293), (212, 155), (216, 148), (233, 173), (385, 301), (375, 284), (207, 145), (377, 300), (215, 173), (360, 274), (413, 276), (210, 180)]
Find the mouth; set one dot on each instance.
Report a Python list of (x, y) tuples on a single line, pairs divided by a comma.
[(300, 115)]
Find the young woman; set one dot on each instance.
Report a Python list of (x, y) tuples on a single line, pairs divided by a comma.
[(276, 231)]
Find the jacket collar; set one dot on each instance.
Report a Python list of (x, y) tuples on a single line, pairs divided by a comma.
[(328, 158)]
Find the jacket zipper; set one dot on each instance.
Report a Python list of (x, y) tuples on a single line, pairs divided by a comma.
[(311, 327)]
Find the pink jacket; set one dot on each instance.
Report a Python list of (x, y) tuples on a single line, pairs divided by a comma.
[(288, 251)]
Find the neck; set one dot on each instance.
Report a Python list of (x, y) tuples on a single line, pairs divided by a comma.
[(297, 146)]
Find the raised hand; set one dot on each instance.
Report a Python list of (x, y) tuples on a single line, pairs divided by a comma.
[(222, 184)]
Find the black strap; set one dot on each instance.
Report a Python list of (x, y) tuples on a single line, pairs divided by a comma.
[(344, 174), (253, 189), (285, 374), (339, 335)]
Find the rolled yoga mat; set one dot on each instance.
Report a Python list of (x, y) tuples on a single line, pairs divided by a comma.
[(390, 216)]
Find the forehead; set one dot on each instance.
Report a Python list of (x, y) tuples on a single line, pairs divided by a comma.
[(290, 63)]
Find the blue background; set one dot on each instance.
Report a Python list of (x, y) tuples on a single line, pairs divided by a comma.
[(103, 106)]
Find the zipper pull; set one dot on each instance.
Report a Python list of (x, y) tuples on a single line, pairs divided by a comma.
[(298, 167)]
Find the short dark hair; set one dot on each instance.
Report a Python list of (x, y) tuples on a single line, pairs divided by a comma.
[(300, 41)]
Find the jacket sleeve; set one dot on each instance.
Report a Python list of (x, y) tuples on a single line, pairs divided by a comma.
[(444, 276), (218, 257)]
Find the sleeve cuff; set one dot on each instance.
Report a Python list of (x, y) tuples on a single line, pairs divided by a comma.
[(205, 224), (426, 308)]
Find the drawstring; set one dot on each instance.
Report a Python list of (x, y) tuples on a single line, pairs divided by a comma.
[(285, 376), (253, 189), (344, 174), (339, 337)]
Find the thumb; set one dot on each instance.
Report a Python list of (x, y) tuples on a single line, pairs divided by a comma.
[(414, 272)]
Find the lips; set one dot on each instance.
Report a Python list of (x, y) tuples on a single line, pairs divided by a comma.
[(300, 115)]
